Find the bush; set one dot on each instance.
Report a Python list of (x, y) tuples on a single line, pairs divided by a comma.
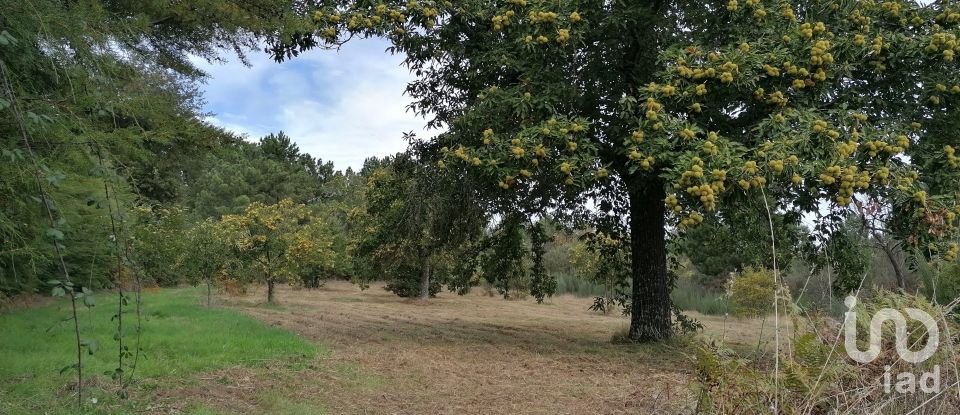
[(815, 377), (406, 282), (751, 292)]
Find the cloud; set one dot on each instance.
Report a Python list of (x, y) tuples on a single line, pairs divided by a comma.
[(340, 106)]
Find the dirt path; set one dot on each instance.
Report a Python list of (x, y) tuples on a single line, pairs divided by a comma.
[(454, 355)]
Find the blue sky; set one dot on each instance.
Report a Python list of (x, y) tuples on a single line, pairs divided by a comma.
[(340, 106)]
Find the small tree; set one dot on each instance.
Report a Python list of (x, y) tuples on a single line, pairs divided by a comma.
[(157, 242), (752, 292), (276, 241), (206, 254), (738, 238), (417, 218)]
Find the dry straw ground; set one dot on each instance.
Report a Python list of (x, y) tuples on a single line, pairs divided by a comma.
[(473, 354)]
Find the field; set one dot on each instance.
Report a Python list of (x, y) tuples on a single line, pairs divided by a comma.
[(342, 350)]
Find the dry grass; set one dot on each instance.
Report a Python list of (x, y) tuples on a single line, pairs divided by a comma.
[(473, 354)]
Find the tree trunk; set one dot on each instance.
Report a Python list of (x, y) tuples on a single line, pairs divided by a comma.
[(270, 290), (425, 280), (650, 317), (895, 262)]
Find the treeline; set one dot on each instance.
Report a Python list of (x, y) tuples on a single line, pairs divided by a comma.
[(101, 132)]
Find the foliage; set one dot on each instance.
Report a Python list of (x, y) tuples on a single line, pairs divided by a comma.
[(815, 376), (752, 292), (278, 243), (417, 223), (688, 295), (502, 264), (112, 82), (206, 254), (552, 104), (239, 173), (845, 249), (739, 238), (158, 242), (941, 281), (542, 284), (601, 258)]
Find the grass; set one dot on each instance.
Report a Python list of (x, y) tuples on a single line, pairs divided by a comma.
[(690, 296), (386, 354), (452, 353), (574, 285), (180, 338)]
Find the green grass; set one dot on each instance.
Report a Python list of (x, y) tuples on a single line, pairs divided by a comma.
[(574, 285), (688, 295), (180, 337)]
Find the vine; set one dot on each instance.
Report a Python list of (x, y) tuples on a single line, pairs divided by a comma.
[(113, 209)]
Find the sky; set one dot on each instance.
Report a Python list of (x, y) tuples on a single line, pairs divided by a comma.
[(339, 106)]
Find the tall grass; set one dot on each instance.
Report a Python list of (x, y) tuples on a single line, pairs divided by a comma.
[(688, 295), (574, 285)]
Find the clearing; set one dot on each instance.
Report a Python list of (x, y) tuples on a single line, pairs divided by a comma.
[(370, 352), (473, 354)]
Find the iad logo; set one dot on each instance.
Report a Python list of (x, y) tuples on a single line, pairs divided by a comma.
[(928, 382)]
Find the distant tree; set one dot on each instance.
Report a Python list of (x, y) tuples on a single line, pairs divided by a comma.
[(277, 243), (502, 262), (204, 254), (417, 214), (158, 241), (240, 173), (739, 238), (281, 148), (542, 283)]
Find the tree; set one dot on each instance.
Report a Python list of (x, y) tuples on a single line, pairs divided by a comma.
[(417, 220), (205, 254), (658, 105), (281, 148), (735, 239), (278, 242), (238, 173), (108, 96)]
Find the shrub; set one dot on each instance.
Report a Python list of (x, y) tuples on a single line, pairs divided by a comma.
[(751, 292), (817, 377), (406, 282)]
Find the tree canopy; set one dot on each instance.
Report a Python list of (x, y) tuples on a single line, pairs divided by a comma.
[(680, 107)]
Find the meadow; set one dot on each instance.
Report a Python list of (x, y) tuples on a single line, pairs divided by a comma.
[(341, 350)]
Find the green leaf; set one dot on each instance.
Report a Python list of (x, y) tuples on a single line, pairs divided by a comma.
[(115, 374), (58, 291), (55, 234), (66, 368), (91, 345), (88, 301), (6, 39)]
